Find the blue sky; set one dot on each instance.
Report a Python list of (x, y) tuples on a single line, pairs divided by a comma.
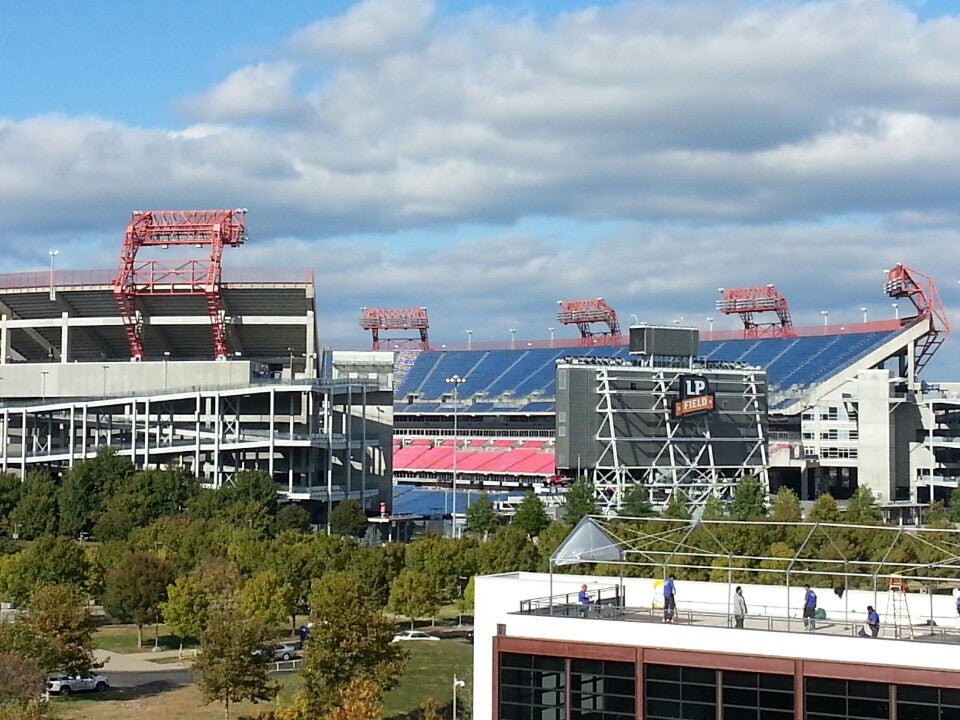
[(486, 160)]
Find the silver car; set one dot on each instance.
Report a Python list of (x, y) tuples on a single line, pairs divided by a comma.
[(66, 684)]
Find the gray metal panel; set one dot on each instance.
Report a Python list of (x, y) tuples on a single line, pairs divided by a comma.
[(576, 413), (664, 341)]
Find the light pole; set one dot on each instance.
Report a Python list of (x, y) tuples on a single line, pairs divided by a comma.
[(710, 324), (636, 320), (469, 339), (53, 254), (550, 329), (105, 368), (864, 311), (513, 337), (290, 350), (166, 357), (896, 311), (457, 682), (43, 384), (825, 313), (456, 381)]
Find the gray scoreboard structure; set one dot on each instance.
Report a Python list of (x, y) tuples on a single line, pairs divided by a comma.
[(663, 421)]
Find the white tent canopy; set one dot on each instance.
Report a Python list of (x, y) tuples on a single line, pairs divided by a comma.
[(587, 542)]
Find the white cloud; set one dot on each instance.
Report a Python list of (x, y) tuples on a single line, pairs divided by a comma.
[(369, 28), (264, 90)]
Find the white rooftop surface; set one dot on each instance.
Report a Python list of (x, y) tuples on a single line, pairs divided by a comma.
[(702, 626)]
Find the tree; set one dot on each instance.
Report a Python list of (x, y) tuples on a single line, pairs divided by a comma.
[(786, 506), (824, 510), (862, 508), (135, 587), (348, 518), (21, 679), (186, 608), (749, 499), (937, 516), (412, 594), (350, 641), (267, 598), (233, 658), (713, 508), (86, 486), (531, 516), (61, 614), (508, 550), (48, 561), (291, 517), (481, 517), (676, 507), (360, 700), (636, 503), (579, 501), (10, 487), (444, 561), (36, 512), (466, 601)]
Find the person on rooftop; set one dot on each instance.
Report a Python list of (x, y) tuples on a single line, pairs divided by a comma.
[(669, 599), (809, 609)]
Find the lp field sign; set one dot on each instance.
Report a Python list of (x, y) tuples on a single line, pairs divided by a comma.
[(695, 397)]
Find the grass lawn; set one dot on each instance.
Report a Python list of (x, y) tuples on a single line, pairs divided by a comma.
[(429, 673), (123, 638)]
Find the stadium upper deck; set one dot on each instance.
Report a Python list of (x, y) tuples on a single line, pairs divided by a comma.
[(524, 380), (72, 316)]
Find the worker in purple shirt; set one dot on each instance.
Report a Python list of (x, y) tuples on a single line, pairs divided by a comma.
[(669, 599), (809, 609), (873, 623), (584, 599)]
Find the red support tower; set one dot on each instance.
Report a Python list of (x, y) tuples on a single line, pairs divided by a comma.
[(745, 302), (377, 319), (154, 278), (584, 312), (903, 282)]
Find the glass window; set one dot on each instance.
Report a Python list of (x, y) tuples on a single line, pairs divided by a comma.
[(532, 687), (680, 693), (602, 690), (757, 696), (850, 699), (917, 702)]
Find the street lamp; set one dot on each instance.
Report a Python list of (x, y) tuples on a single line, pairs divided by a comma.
[(469, 339), (457, 683), (896, 311), (636, 320), (710, 324), (513, 336), (825, 313), (864, 311), (550, 329), (456, 381), (52, 254)]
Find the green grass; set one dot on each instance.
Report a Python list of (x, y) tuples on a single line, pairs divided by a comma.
[(123, 639), (430, 673)]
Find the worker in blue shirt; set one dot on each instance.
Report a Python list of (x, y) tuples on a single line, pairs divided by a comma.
[(873, 623), (809, 609), (669, 599), (584, 600)]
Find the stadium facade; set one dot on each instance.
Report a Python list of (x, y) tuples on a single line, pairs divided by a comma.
[(187, 365)]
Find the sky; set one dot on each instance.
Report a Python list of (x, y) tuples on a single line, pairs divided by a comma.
[(488, 159)]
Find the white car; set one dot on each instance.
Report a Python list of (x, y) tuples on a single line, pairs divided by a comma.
[(66, 684), (413, 635), (285, 651)]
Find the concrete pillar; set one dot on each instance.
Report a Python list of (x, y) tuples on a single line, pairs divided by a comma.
[(4, 341), (64, 337)]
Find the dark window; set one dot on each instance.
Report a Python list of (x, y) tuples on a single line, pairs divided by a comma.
[(917, 702), (602, 690), (680, 693), (532, 686), (757, 696), (828, 699)]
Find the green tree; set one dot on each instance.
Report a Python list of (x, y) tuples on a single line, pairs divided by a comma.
[(135, 588), (61, 614), (233, 659), (267, 598), (36, 512), (508, 550), (824, 510), (954, 502), (579, 500), (785, 507), (862, 508), (531, 516), (482, 519), (351, 641), (466, 601), (636, 502), (348, 518), (938, 517), (676, 507), (48, 561), (749, 499), (713, 508), (86, 486), (10, 487), (377, 567), (412, 595), (443, 560), (291, 517), (186, 608)]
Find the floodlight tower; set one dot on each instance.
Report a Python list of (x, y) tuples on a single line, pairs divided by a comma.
[(153, 278), (583, 313), (919, 289), (377, 319), (747, 301)]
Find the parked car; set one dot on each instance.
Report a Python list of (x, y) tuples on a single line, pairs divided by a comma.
[(66, 684), (285, 651), (413, 635)]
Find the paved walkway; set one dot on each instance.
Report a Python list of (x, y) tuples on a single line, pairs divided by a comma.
[(141, 661)]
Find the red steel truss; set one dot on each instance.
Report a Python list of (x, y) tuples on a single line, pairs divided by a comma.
[(377, 319), (162, 229), (904, 282), (745, 302), (584, 312)]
